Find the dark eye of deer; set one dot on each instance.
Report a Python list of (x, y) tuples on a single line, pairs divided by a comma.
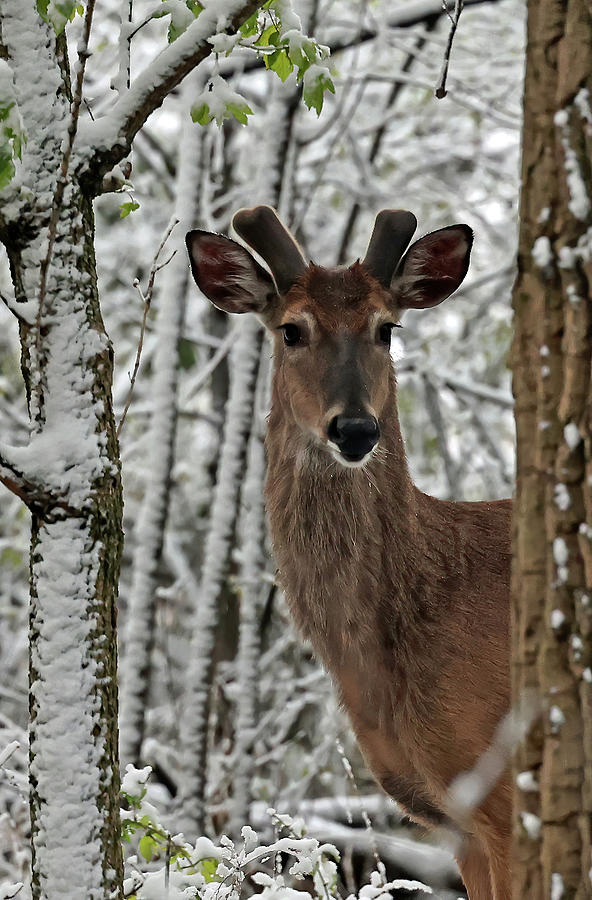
[(291, 334), (384, 333)]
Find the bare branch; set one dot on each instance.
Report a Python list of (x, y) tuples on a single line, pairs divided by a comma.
[(458, 8), (147, 301)]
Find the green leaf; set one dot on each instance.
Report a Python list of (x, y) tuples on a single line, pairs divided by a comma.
[(208, 867), (58, 12), (251, 26), (280, 63), (240, 112), (6, 166), (173, 33), (187, 357), (147, 847), (270, 37), (126, 208), (314, 93), (201, 114)]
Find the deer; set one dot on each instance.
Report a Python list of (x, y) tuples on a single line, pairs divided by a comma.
[(403, 597)]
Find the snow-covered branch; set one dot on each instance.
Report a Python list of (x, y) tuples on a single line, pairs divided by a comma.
[(110, 137), (35, 495)]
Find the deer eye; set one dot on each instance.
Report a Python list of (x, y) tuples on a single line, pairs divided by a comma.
[(292, 334), (384, 332)]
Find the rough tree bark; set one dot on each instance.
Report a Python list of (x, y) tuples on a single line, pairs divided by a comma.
[(551, 357)]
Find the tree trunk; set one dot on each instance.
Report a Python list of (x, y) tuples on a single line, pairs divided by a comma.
[(551, 356), (75, 555), (69, 476)]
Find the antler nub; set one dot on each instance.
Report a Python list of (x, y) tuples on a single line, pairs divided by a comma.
[(393, 229), (261, 228)]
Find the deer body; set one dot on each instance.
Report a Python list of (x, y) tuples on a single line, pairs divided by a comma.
[(418, 651), (404, 598)]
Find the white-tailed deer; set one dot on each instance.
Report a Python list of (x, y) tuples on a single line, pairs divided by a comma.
[(405, 598)]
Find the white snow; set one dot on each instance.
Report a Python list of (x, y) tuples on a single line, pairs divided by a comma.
[(65, 757), (134, 781), (572, 435), (556, 718), (8, 891), (561, 496), (556, 886), (527, 782), (579, 202), (531, 824), (541, 252), (560, 552), (557, 619)]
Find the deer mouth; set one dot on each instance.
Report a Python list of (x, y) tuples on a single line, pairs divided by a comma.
[(351, 460)]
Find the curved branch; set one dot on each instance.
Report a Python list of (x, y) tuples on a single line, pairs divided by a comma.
[(111, 136)]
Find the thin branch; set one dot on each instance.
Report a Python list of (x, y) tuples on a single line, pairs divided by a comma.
[(83, 54), (147, 92), (435, 414), (147, 301), (458, 8), (379, 135)]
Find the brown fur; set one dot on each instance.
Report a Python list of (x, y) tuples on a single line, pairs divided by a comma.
[(405, 598)]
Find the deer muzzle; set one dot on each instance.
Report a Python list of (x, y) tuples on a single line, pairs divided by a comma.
[(354, 437)]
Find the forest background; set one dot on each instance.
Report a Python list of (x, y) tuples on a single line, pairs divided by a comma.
[(218, 695)]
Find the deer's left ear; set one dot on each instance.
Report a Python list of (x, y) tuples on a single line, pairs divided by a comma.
[(433, 268)]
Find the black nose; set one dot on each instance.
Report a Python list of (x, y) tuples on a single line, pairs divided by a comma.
[(355, 437)]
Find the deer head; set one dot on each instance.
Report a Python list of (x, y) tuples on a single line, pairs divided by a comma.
[(331, 326)]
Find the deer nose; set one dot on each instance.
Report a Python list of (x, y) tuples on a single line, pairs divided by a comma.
[(355, 436)]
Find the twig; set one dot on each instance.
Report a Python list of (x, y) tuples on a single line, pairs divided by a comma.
[(83, 54), (367, 823), (214, 361), (147, 301), (435, 414), (458, 8)]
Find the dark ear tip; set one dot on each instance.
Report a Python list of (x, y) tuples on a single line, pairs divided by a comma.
[(195, 234), (468, 232)]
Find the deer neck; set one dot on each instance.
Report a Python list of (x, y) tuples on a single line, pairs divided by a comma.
[(343, 538)]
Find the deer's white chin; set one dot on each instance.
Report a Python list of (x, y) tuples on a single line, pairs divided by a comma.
[(349, 463)]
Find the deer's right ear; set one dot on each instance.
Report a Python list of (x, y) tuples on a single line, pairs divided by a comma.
[(228, 275)]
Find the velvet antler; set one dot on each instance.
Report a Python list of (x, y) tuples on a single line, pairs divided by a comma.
[(263, 231), (393, 229)]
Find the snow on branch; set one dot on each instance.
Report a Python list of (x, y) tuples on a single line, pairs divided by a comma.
[(112, 135), (34, 495)]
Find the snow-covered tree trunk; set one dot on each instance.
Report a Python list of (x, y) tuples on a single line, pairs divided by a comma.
[(252, 589), (153, 513), (69, 476), (551, 358), (239, 412)]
